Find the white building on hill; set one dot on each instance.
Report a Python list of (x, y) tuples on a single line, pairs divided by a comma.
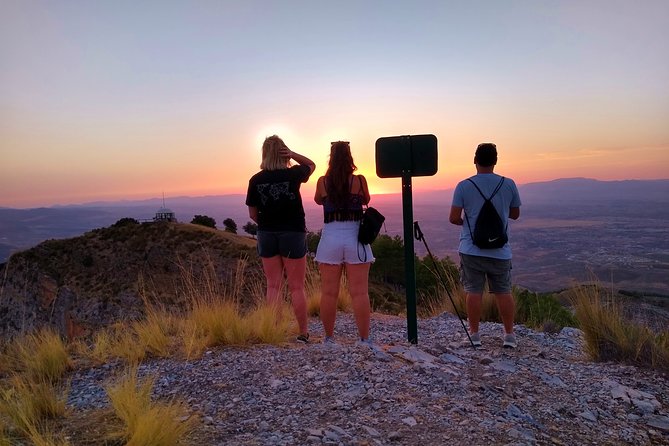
[(164, 214)]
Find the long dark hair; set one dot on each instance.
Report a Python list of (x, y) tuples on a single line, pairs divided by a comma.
[(340, 168)]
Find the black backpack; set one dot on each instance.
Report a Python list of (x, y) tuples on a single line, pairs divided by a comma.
[(489, 229)]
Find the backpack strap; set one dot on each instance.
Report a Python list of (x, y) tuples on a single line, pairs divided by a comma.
[(497, 188)]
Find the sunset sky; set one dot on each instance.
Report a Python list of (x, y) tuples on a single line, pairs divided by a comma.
[(107, 100)]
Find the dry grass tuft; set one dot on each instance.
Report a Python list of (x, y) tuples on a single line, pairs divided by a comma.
[(115, 342), (153, 333), (41, 436), (269, 324), (437, 302), (26, 403), (218, 322), (40, 356), (145, 422), (4, 438), (609, 336), (30, 396)]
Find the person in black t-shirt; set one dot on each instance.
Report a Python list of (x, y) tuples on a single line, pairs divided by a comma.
[(275, 204)]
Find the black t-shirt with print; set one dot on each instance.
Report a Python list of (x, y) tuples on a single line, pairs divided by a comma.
[(276, 194)]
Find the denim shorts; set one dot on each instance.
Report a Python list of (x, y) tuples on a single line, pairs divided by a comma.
[(474, 270), (290, 244), (339, 244)]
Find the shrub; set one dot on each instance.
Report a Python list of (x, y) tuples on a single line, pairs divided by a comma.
[(250, 228), (313, 238), (204, 220), (230, 225), (125, 221), (542, 311)]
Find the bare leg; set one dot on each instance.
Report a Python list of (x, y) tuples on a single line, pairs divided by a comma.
[(330, 279), (507, 310), (474, 311), (358, 287), (296, 271), (273, 267)]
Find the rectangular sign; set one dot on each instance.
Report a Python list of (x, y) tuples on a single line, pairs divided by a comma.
[(408, 155)]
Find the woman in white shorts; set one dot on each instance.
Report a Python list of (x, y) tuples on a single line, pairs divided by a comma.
[(343, 195)]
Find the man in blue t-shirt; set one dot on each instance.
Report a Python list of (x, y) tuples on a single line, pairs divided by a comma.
[(477, 265)]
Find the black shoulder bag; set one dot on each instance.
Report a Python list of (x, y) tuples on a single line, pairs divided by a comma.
[(370, 223)]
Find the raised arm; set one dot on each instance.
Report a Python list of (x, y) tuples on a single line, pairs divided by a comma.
[(299, 159)]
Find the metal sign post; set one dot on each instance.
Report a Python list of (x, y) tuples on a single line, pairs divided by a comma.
[(406, 157), (409, 265)]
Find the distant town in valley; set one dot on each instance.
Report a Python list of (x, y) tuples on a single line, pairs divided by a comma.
[(570, 231)]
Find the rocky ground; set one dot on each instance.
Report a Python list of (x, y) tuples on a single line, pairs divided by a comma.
[(441, 391)]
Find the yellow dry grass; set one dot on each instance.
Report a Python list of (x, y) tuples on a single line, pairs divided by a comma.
[(39, 355), (146, 422), (610, 336), (27, 402)]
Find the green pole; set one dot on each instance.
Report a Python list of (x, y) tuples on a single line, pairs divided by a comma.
[(409, 267)]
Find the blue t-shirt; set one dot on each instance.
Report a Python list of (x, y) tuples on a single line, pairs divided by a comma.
[(467, 197)]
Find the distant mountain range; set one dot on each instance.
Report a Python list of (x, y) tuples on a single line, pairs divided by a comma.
[(564, 224)]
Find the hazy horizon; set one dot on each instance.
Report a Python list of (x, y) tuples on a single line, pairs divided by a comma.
[(417, 192)]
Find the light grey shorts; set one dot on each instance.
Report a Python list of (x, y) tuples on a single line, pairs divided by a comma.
[(339, 244), (475, 270)]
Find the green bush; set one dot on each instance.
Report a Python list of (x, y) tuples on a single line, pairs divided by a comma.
[(230, 225), (542, 311), (126, 221), (204, 220)]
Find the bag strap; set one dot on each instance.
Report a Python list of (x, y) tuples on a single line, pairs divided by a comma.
[(497, 188), (364, 206), (360, 244)]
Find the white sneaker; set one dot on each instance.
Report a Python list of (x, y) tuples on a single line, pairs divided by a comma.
[(365, 343), (476, 339), (510, 341), (368, 344)]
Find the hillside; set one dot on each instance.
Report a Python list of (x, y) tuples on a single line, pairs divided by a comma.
[(105, 275)]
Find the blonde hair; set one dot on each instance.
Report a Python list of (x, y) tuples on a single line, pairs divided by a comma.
[(271, 159)]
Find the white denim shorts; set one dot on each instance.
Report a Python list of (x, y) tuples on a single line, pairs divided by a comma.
[(339, 244)]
